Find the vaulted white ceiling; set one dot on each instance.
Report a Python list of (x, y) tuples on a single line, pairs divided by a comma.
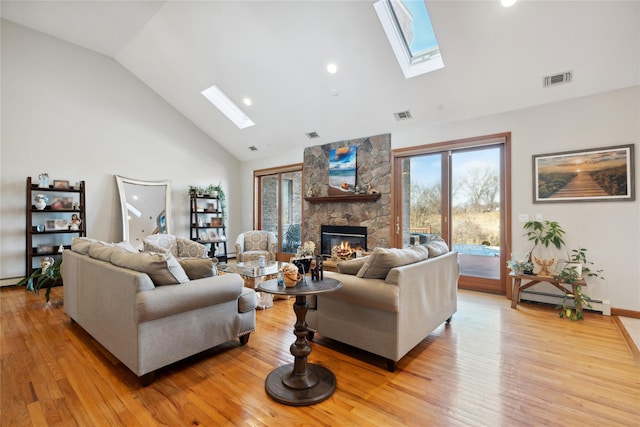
[(276, 53)]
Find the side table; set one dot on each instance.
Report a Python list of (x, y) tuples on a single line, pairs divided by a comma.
[(300, 383), (533, 280)]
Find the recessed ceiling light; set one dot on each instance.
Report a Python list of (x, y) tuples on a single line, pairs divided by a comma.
[(227, 107), (247, 101), (508, 3), (332, 68), (334, 92)]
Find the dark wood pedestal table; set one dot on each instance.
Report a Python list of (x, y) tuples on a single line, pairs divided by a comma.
[(300, 383)]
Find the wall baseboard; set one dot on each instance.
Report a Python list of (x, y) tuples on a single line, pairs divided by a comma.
[(554, 299), (9, 282)]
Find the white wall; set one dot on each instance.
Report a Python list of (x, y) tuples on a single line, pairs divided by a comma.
[(610, 230), (79, 115)]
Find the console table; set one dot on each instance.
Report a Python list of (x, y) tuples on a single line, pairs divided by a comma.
[(533, 279), (300, 383)]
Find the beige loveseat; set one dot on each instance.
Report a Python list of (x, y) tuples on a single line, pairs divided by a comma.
[(145, 310), (389, 301)]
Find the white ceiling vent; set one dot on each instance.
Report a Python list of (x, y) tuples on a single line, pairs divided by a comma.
[(253, 148), (312, 135), (557, 79), (402, 115)]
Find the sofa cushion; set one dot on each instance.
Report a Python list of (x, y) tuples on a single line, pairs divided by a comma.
[(374, 293), (436, 247), (352, 266), (197, 268), (163, 268), (384, 259)]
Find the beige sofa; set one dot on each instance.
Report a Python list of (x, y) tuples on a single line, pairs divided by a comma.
[(146, 311), (390, 309)]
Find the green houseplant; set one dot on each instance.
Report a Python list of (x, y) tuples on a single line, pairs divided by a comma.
[(44, 277), (573, 268), (214, 190), (544, 233)]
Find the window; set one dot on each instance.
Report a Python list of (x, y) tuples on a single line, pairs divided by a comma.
[(408, 28)]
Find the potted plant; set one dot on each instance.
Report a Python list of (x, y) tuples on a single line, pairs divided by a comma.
[(545, 233), (580, 299), (44, 277), (576, 265), (519, 266), (217, 191), (574, 268)]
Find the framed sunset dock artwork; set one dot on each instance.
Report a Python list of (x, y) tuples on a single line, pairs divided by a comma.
[(599, 174)]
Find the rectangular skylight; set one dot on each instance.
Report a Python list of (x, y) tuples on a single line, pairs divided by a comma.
[(227, 107), (408, 28)]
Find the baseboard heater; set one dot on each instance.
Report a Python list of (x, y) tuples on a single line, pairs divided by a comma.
[(603, 307)]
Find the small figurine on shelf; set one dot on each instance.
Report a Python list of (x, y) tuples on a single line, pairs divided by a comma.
[(75, 222), (43, 180), (60, 248)]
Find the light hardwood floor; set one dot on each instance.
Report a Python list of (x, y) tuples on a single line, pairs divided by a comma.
[(492, 366)]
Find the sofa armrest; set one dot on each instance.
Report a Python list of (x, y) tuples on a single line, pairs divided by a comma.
[(168, 300)]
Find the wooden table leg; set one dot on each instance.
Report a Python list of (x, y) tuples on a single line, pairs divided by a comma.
[(515, 292)]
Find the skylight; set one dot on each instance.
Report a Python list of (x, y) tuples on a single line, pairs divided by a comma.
[(408, 28), (227, 107)]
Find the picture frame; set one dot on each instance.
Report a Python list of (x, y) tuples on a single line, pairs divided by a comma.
[(60, 184), (603, 174), (216, 222), (61, 224), (61, 203), (49, 224)]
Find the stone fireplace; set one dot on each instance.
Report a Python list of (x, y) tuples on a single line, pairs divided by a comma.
[(346, 240), (373, 172)]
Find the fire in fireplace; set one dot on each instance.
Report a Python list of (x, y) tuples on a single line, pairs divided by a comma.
[(343, 241)]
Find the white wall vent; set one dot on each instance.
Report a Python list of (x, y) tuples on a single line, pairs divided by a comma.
[(312, 135), (557, 79), (402, 115)]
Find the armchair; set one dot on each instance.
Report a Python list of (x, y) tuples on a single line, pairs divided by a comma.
[(252, 244), (178, 246)]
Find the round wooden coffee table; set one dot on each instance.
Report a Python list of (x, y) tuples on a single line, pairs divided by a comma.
[(300, 383)]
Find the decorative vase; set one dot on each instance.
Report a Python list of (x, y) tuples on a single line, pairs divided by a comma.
[(41, 202), (291, 279)]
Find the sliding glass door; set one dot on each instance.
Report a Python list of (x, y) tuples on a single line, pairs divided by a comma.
[(457, 191), (279, 206)]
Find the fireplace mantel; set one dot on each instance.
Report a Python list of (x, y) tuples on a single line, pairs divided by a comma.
[(344, 199)]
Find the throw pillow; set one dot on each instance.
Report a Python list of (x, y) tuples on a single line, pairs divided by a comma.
[(101, 250), (384, 259), (197, 268), (81, 245), (352, 266), (436, 247), (162, 268)]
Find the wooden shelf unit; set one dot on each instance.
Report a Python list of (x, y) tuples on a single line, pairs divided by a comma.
[(35, 248), (202, 220)]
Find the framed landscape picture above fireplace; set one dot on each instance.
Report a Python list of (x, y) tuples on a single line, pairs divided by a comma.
[(342, 171)]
